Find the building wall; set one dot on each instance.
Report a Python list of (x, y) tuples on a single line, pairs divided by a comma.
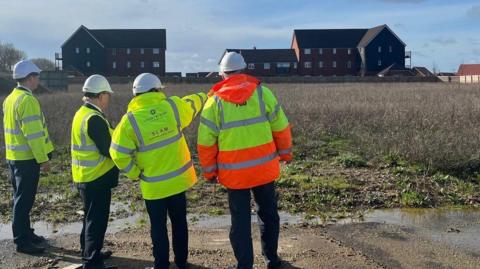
[(384, 39), (122, 58), (328, 57), (83, 40), (259, 70)]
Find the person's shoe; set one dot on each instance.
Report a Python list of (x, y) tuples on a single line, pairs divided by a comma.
[(105, 254), (37, 239), (30, 248), (276, 265)]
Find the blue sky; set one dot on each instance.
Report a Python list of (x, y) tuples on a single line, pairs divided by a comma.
[(440, 33)]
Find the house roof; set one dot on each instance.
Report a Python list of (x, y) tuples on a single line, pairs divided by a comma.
[(266, 55), (395, 69), (338, 38), (469, 70), (127, 38), (423, 71)]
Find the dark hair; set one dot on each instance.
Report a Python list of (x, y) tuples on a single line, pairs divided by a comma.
[(92, 95), (23, 80), (233, 72), (151, 90)]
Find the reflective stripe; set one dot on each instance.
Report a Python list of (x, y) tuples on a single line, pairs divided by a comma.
[(134, 124), (210, 124), (175, 112), (274, 114), (35, 135), (162, 143), (247, 164), (168, 175), (210, 169), (13, 131), (31, 118), (128, 168), (285, 151), (201, 98), (88, 163), (246, 122), (193, 107), (17, 148), (84, 148), (121, 149), (240, 123)]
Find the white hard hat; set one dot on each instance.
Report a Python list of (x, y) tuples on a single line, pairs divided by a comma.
[(232, 61), (96, 84), (145, 82), (24, 68)]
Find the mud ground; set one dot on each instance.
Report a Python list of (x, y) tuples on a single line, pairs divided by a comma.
[(360, 245)]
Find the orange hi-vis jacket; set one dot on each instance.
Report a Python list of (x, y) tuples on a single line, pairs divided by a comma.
[(243, 134)]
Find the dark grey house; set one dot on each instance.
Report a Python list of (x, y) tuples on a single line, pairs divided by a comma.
[(268, 62), (341, 52), (115, 52)]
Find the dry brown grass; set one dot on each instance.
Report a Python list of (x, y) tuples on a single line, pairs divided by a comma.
[(436, 125)]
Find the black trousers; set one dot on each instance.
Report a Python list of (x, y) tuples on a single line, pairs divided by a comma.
[(268, 221), (176, 208), (96, 206), (24, 176)]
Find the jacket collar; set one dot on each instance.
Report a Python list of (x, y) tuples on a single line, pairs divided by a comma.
[(146, 100), (92, 106), (236, 88)]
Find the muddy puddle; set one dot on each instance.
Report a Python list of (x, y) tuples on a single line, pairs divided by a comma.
[(457, 227)]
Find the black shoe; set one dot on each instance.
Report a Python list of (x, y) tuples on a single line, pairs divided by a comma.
[(105, 254), (275, 265), (30, 248), (37, 239)]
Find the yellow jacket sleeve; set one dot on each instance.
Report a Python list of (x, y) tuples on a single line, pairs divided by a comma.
[(122, 149), (32, 124), (189, 107)]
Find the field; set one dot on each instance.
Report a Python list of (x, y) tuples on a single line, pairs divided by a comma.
[(356, 146)]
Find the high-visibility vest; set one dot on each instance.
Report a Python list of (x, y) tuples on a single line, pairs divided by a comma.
[(148, 143), (87, 162), (25, 130), (241, 143)]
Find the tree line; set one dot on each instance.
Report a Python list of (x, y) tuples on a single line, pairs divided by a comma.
[(9, 55)]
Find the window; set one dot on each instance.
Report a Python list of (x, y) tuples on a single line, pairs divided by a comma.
[(142, 51), (142, 64), (88, 64), (349, 64), (156, 64), (266, 66), (320, 64), (390, 49), (283, 65), (114, 51), (87, 50), (379, 49), (308, 64), (334, 51), (128, 50), (156, 51), (129, 64), (77, 50), (320, 51), (251, 66), (379, 62), (349, 51), (114, 65), (295, 65), (307, 51), (334, 64)]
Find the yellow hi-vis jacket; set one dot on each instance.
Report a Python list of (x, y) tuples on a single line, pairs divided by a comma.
[(25, 130), (87, 162), (148, 143)]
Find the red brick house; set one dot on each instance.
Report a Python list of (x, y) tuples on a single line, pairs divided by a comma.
[(469, 73), (268, 62), (115, 52), (343, 52)]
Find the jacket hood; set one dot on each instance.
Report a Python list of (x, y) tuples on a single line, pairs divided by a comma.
[(236, 88)]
